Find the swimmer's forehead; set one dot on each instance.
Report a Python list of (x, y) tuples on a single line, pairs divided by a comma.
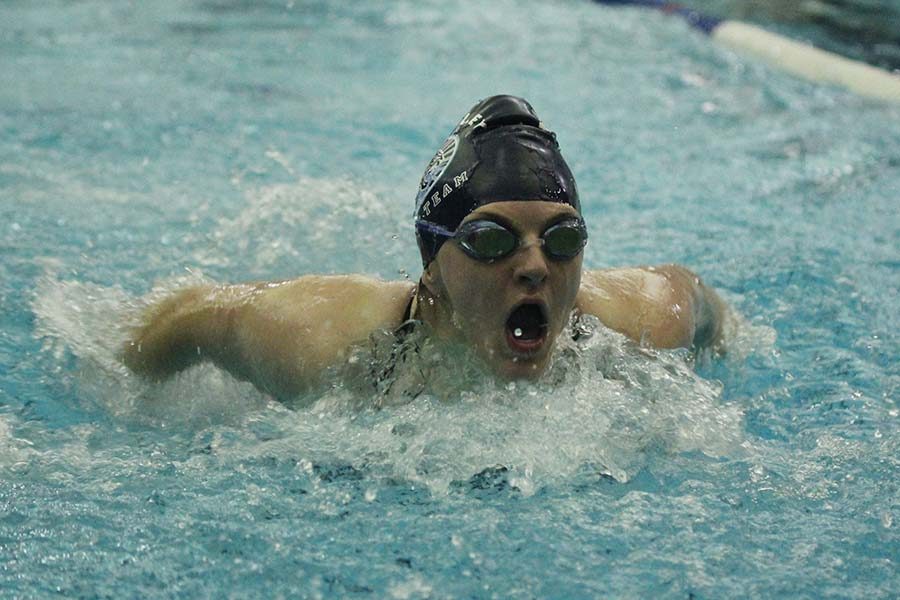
[(522, 212)]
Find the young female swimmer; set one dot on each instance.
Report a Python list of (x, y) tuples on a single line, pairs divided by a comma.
[(499, 228)]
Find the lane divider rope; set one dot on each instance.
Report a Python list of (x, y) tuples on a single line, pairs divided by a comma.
[(784, 53)]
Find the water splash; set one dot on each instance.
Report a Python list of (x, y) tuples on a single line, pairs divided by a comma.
[(290, 229), (606, 403)]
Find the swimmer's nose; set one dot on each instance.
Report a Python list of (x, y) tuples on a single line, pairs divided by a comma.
[(531, 266)]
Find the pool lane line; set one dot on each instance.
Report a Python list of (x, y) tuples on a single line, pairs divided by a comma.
[(783, 53)]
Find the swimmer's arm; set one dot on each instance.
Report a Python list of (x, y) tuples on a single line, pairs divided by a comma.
[(279, 336), (189, 326), (665, 307)]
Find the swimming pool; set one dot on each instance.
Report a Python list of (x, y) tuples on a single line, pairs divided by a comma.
[(147, 145)]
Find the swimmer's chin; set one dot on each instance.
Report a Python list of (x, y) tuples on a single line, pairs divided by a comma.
[(513, 364), (521, 368)]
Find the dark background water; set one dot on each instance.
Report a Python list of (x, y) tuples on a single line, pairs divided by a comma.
[(866, 30)]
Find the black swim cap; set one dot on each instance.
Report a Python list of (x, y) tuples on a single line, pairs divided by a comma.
[(499, 151)]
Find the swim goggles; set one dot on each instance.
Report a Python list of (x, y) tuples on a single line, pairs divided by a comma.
[(488, 241)]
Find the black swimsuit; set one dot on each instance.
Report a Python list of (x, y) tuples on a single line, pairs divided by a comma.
[(383, 371), (407, 314)]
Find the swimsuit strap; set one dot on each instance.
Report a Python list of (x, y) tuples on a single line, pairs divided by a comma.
[(382, 377), (411, 305)]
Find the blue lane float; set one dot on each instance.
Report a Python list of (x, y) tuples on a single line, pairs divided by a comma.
[(783, 53)]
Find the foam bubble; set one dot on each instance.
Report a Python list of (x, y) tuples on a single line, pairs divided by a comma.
[(14, 451), (606, 405), (91, 323), (313, 226)]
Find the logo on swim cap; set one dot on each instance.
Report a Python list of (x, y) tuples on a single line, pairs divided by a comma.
[(436, 168)]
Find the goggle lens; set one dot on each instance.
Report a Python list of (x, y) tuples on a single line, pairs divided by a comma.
[(489, 241), (565, 240)]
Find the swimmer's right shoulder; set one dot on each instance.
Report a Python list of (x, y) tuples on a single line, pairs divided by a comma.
[(289, 332), (362, 303), (279, 335), (361, 283)]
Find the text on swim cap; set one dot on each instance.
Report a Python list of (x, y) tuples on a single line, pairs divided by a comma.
[(474, 121), (438, 196)]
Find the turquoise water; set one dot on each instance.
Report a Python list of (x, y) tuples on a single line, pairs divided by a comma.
[(144, 146)]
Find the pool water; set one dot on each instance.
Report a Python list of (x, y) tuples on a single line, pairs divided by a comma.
[(149, 145)]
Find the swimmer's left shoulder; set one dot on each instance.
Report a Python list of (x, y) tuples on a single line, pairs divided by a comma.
[(652, 305)]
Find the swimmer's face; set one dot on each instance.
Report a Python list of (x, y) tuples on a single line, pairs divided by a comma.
[(510, 310)]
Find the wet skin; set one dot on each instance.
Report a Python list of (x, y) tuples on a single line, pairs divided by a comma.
[(283, 336), (474, 299)]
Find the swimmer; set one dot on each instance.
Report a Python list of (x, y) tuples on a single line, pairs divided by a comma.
[(499, 228)]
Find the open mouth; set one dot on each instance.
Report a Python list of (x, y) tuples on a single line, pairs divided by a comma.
[(526, 328)]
